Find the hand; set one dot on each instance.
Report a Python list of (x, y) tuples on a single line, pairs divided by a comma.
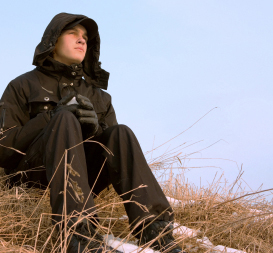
[(87, 116), (62, 105)]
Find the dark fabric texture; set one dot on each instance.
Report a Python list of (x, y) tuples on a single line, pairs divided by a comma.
[(27, 101), (127, 169), (165, 242), (84, 238)]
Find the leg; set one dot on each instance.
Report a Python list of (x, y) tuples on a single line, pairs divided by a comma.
[(62, 132), (127, 170)]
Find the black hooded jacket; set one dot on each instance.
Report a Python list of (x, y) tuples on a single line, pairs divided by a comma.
[(27, 99)]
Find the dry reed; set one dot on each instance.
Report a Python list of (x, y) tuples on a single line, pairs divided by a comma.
[(226, 214)]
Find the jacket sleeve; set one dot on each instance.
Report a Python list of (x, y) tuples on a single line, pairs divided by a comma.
[(17, 129), (109, 117)]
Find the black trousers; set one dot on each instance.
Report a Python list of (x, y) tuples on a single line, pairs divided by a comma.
[(126, 169)]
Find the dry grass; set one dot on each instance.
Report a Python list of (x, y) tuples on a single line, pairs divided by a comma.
[(223, 213), (225, 218)]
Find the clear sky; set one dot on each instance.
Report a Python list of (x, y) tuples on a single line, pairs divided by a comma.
[(170, 62)]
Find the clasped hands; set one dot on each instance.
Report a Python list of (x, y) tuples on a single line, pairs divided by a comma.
[(84, 111)]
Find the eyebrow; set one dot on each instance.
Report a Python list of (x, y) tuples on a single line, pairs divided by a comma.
[(75, 29)]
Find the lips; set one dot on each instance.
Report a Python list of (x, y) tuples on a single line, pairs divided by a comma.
[(80, 49)]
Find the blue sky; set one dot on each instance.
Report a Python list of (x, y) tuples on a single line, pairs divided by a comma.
[(170, 62)]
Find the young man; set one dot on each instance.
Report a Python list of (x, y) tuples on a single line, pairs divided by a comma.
[(54, 108)]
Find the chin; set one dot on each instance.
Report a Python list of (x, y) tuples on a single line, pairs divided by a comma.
[(77, 61)]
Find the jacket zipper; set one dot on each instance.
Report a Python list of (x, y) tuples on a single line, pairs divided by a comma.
[(2, 121)]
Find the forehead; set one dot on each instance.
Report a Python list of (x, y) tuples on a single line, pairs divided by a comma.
[(78, 28)]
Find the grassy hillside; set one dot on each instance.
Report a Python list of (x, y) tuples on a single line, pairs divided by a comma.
[(239, 220)]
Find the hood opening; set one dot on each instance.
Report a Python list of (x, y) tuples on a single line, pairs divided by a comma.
[(92, 71)]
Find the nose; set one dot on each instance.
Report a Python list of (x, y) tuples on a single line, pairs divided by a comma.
[(81, 40)]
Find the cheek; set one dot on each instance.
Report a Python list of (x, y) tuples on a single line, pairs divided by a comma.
[(62, 46), (65, 50), (85, 51), (59, 48)]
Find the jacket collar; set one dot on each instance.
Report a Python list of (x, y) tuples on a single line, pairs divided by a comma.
[(58, 70)]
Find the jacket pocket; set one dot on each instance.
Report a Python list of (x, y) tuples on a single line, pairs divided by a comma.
[(41, 102), (39, 107)]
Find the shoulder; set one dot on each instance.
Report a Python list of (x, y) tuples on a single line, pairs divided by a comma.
[(24, 79), (101, 94), (24, 86), (100, 99)]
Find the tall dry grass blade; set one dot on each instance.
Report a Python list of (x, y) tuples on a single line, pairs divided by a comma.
[(184, 130), (65, 201)]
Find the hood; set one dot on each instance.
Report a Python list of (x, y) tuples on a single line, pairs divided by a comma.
[(92, 72)]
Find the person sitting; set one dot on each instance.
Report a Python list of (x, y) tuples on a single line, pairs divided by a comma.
[(51, 111)]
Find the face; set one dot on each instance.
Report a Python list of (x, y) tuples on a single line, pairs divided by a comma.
[(71, 46)]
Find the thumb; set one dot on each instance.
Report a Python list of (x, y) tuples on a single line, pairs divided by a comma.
[(67, 98)]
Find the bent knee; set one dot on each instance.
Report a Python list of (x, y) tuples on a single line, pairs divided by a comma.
[(64, 114), (66, 117), (122, 128)]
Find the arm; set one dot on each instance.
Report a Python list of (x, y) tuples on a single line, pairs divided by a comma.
[(108, 119), (18, 129)]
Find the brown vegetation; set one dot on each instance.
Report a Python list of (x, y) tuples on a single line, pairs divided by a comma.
[(229, 217)]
